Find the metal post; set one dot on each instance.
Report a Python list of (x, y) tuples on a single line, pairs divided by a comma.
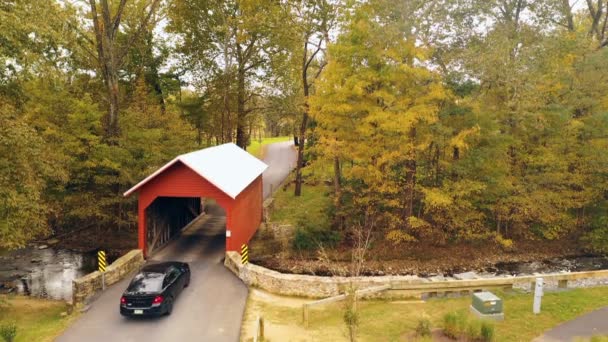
[(101, 264), (261, 326), (305, 315), (538, 294)]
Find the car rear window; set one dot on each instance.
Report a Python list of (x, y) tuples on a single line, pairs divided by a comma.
[(146, 282)]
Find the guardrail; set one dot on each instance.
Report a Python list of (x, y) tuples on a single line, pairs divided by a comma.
[(417, 288), (433, 287)]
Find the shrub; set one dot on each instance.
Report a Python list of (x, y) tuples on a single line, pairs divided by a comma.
[(599, 339), (506, 244), (596, 240), (474, 330), (487, 331), (423, 329), (8, 331), (309, 237), (454, 324)]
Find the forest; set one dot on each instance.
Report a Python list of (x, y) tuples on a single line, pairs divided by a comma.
[(435, 120)]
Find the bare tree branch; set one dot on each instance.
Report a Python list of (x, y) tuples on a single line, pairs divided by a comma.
[(116, 23), (135, 36)]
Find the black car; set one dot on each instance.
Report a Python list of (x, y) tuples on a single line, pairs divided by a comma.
[(153, 290)]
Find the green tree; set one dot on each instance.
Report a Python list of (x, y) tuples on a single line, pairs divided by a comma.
[(227, 40), (24, 169)]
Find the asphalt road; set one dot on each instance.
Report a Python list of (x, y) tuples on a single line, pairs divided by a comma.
[(211, 308), (281, 159), (592, 324)]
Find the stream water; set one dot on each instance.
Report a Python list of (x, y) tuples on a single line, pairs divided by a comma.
[(577, 264), (48, 272), (45, 272)]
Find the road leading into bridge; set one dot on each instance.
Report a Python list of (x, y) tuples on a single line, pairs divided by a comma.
[(281, 158), (211, 308)]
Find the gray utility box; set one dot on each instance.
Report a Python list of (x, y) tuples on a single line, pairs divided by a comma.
[(486, 304)]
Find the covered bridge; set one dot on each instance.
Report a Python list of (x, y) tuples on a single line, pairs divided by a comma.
[(171, 196)]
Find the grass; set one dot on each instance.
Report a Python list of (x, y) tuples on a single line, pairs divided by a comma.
[(36, 319), (257, 147), (310, 206), (394, 321)]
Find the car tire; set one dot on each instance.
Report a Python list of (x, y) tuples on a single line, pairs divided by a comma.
[(187, 282), (169, 307)]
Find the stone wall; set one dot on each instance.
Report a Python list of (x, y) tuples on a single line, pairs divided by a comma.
[(401, 286), (301, 285), (87, 286)]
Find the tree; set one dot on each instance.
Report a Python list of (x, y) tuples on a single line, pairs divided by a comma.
[(307, 38), (229, 40), (110, 53), (25, 167), (371, 106)]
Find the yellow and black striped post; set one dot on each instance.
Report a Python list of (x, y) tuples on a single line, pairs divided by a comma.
[(244, 254), (101, 265), (101, 261)]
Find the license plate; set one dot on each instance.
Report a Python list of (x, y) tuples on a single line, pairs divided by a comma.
[(138, 312)]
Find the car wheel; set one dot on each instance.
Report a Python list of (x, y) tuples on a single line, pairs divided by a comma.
[(187, 282), (169, 306)]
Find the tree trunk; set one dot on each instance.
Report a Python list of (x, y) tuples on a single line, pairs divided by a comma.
[(338, 194), (241, 135), (104, 40), (302, 137), (112, 129), (302, 133), (410, 179), (567, 10), (337, 187)]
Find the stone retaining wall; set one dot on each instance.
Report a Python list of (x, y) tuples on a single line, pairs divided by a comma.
[(401, 286), (298, 284), (87, 286)]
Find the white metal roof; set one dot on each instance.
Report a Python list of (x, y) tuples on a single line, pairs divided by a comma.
[(228, 167)]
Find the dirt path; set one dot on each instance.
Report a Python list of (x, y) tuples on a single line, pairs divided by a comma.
[(269, 306)]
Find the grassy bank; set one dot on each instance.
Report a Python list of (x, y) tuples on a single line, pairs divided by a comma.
[(396, 321), (36, 319), (311, 206), (257, 147)]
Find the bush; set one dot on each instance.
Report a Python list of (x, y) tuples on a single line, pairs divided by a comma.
[(308, 237), (599, 339), (474, 330), (8, 331), (423, 329), (596, 240), (454, 324), (505, 244), (487, 331)]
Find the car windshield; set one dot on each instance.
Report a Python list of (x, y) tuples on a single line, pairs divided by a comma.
[(146, 282)]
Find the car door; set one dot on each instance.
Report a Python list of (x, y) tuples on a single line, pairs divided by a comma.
[(169, 282), (174, 279), (179, 280)]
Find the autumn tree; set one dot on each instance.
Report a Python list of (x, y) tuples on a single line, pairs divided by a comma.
[(372, 105), (305, 39)]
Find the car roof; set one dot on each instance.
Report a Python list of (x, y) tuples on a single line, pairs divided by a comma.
[(160, 267)]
